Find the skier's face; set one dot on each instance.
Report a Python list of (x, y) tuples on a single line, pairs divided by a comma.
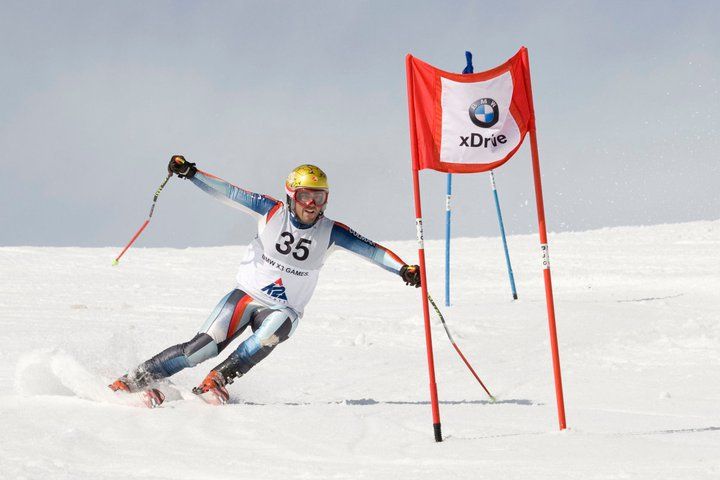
[(307, 213), (309, 203)]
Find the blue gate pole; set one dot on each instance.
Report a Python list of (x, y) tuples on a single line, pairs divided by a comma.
[(447, 239), (468, 69), (502, 233)]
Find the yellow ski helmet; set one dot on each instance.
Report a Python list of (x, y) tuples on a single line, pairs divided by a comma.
[(304, 178)]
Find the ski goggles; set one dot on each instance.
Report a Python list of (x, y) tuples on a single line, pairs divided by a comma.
[(307, 197)]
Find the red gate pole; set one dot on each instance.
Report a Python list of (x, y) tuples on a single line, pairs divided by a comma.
[(542, 230), (548, 281), (426, 310), (421, 254)]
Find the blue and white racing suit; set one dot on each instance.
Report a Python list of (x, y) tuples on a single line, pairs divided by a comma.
[(275, 281)]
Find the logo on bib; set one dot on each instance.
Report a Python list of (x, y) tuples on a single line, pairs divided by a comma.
[(484, 112), (276, 290)]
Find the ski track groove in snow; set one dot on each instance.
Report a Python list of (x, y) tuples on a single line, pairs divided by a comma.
[(347, 397)]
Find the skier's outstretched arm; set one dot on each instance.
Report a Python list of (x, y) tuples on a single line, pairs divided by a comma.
[(344, 237), (227, 193)]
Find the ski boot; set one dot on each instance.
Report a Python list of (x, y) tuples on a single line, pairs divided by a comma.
[(212, 389), (151, 397)]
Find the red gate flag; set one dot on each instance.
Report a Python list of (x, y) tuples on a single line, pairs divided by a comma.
[(467, 123)]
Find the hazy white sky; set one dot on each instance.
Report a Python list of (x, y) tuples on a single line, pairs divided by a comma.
[(95, 96)]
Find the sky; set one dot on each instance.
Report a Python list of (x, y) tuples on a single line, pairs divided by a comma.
[(96, 96)]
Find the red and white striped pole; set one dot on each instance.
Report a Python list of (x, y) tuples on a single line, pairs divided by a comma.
[(542, 230), (421, 255)]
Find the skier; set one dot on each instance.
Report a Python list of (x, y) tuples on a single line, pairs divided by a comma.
[(275, 281)]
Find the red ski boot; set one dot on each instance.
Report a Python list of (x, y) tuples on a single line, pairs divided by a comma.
[(212, 389)]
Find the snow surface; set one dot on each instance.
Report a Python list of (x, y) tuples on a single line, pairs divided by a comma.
[(347, 395)]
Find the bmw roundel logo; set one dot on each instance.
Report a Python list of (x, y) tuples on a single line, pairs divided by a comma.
[(484, 112)]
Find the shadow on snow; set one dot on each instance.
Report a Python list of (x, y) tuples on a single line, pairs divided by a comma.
[(372, 401)]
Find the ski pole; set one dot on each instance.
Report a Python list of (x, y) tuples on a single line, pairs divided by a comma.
[(457, 349), (140, 230)]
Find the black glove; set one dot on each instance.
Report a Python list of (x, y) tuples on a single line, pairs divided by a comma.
[(181, 167), (411, 275)]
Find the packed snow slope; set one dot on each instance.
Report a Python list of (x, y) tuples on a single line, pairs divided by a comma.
[(347, 395)]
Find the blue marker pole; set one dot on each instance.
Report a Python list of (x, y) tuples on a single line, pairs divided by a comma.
[(502, 234), (468, 69), (447, 239)]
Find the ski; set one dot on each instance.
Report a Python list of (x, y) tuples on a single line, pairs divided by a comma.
[(150, 397)]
